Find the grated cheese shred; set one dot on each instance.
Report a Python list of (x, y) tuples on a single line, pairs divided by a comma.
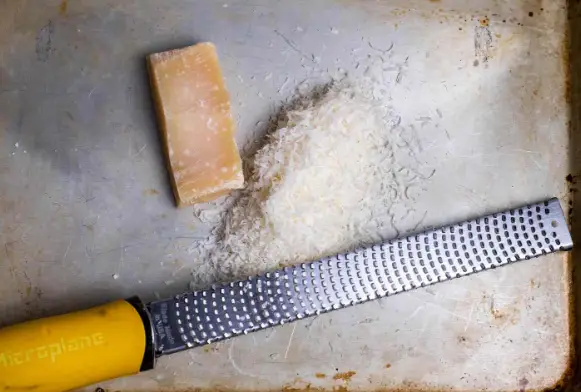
[(325, 181)]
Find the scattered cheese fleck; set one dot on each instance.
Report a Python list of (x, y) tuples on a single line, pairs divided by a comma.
[(115, 276), (192, 104)]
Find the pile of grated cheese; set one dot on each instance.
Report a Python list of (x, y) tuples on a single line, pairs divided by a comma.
[(325, 181)]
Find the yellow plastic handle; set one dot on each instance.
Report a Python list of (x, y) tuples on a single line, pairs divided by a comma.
[(60, 353)]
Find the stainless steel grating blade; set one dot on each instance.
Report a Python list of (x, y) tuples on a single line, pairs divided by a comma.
[(201, 317)]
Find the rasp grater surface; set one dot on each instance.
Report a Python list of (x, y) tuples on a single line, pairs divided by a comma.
[(202, 317)]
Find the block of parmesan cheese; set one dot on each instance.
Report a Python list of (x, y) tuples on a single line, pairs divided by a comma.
[(193, 110)]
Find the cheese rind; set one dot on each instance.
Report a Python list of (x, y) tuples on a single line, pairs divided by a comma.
[(193, 108)]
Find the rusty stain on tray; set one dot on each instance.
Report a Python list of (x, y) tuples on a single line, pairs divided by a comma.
[(63, 7), (345, 376)]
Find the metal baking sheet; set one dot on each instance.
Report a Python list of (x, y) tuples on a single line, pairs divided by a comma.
[(86, 213)]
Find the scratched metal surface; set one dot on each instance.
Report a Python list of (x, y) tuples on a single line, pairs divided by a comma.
[(86, 213)]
